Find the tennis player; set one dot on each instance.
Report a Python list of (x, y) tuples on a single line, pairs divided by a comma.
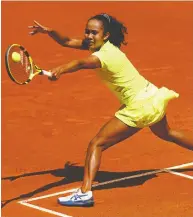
[(143, 103)]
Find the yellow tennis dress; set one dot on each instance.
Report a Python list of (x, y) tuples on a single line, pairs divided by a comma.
[(143, 104)]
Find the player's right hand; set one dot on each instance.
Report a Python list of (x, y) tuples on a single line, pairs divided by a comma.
[(38, 28)]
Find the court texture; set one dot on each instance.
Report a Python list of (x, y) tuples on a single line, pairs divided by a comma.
[(46, 126)]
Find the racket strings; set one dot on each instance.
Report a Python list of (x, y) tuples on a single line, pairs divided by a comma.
[(19, 69)]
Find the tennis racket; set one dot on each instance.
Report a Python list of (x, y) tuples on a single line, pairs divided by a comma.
[(20, 66)]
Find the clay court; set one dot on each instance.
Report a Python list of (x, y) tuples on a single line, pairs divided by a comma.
[(46, 126)]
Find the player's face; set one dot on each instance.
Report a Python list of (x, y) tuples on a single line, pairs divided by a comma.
[(94, 33)]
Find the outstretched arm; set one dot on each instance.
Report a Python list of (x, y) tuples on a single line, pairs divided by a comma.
[(90, 62), (56, 36)]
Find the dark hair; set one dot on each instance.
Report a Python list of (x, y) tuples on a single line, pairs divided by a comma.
[(116, 29)]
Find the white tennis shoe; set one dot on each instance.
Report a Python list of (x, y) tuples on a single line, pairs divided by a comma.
[(77, 199)]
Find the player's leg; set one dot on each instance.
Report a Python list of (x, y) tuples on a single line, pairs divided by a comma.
[(110, 134), (163, 131)]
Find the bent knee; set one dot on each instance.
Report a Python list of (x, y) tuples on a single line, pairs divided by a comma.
[(174, 134), (168, 135), (98, 142)]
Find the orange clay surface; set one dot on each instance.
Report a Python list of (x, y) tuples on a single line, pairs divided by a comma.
[(47, 124)]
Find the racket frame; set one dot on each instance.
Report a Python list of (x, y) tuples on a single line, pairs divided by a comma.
[(31, 64)]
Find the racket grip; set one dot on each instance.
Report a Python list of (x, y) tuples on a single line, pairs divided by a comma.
[(49, 74)]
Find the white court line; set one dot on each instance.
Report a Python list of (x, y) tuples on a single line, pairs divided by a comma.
[(50, 195), (103, 183), (44, 209), (144, 174), (179, 174), (25, 202), (180, 166)]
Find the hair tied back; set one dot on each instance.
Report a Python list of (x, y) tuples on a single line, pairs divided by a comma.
[(107, 17)]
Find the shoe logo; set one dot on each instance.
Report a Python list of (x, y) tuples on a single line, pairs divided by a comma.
[(76, 196)]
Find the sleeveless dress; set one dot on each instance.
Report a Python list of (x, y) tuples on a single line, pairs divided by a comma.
[(143, 103)]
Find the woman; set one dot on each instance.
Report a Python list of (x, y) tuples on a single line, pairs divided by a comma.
[(143, 104)]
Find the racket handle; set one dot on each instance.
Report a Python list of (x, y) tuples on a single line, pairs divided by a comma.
[(49, 74)]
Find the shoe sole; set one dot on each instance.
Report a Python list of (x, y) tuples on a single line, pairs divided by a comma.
[(90, 204)]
